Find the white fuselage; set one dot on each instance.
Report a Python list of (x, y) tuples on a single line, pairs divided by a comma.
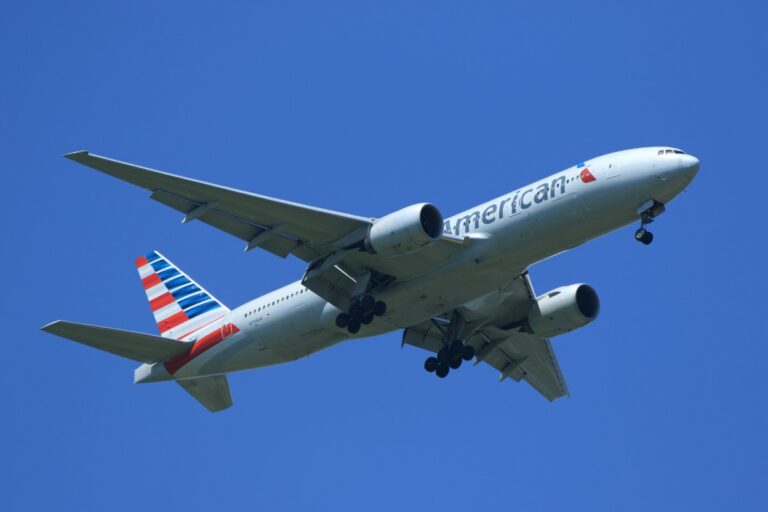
[(506, 236)]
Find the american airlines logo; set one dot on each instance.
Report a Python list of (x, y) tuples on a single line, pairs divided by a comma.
[(516, 202)]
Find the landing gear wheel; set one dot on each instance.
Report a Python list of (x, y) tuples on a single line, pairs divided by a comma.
[(442, 370), (379, 308), (342, 320), (468, 352), (648, 238), (366, 319), (354, 310), (456, 347), (644, 236), (353, 326), (367, 303), (444, 356), (455, 363), (431, 364)]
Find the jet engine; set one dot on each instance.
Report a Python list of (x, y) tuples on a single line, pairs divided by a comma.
[(405, 230), (563, 310)]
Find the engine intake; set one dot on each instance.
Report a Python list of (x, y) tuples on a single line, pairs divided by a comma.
[(563, 310), (405, 231)]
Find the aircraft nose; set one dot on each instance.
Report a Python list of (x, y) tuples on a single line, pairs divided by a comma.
[(689, 165)]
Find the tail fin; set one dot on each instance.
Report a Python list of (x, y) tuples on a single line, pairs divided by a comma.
[(180, 305)]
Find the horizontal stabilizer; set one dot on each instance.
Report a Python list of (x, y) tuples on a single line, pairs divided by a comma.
[(140, 347), (212, 392)]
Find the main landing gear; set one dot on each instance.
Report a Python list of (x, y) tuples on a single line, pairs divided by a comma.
[(449, 358), (648, 212), (453, 351), (360, 313)]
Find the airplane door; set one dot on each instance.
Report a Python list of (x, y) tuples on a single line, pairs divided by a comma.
[(226, 329)]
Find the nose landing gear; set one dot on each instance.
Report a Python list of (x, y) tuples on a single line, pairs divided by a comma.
[(648, 212), (643, 236)]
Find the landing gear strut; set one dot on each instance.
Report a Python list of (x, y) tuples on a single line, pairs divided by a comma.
[(361, 312), (648, 212)]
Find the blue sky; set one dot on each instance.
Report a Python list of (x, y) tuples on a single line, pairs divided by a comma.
[(366, 107)]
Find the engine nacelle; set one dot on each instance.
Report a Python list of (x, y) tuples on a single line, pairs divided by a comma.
[(563, 310), (405, 230)]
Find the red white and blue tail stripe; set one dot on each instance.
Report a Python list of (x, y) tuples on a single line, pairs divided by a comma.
[(180, 305)]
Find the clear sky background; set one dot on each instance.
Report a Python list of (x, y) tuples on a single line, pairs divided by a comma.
[(366, 107)]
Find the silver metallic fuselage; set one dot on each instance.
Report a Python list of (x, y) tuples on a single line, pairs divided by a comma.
[(300, 322)]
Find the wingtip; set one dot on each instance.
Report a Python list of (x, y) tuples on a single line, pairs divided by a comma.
[(50, 326), (76, 154)]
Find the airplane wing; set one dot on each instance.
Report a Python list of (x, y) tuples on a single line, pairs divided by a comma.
[(280, 227), (500, 342)]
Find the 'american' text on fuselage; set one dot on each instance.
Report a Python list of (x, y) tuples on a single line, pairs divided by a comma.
[(514, 203)]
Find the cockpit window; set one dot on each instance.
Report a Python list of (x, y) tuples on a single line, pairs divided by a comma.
[(679, 152), (670, 152)]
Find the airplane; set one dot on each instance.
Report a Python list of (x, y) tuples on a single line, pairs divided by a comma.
[(458, 287)]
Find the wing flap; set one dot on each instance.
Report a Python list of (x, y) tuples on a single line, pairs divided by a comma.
[(144, 348), (211, 392), (280, 244), (426, 335)]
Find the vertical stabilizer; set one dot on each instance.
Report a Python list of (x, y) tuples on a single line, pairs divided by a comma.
[(180, 305)]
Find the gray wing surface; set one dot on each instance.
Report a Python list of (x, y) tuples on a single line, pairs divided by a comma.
[(520, 355), (280, 227)]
